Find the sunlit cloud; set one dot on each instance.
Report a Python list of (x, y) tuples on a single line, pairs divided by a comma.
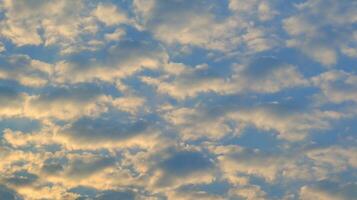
[(178, 99)]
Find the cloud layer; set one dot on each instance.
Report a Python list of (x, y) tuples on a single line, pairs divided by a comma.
[(178, 99)]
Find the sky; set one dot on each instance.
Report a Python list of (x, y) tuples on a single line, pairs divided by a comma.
[(178, 99)]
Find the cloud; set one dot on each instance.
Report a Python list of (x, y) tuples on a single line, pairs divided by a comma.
[(116, 35), (177, 99), (249, 161), (182, 167), (21, 179), (92, 193), (11, 101), (2, 47), (328, 190), (107, 195), (337, 158), (118, 130), (187, 194), (227, 115), (262, 9), (26, 71), (19, 124), (84, 166), (193, 124), (112, 62), (249, 193), (188, 22), (260, 75), (290, 121), (184, 163), (337, 86), (109, 14), (44, 22), (66, 102), (325, 38)]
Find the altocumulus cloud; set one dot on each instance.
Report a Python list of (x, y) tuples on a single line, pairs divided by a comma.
[(178, 99)]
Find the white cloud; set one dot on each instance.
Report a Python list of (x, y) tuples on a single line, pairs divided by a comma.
[(323, 29), (233, 160), (116, 35), (329, 190), (110, 14), (177, 99), (24, 20), (337, 86), (26, 71), (262, 9), (249, 193), (2, 47), (195, 23), (122, 60), (260, 75)]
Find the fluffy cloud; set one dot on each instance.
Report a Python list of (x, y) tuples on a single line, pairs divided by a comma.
[(249, 193), (177, 99), (25, 19), (12, 101), (195, 23), (328, 190), (254, 162), (26, 71), (112, 62), (261, 75), (227, 115), (337, 86), (66, 102), (290, 121), (338, 158), (323, 39), (109, 14)]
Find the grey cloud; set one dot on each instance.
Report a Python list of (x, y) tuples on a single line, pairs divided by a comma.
[(82, 167), (112, 194), (185, 162), (26, 71), (113, 61), (21, 178), (77, 93), (54, 165), (181, 167), (92, 193), (9, 96), (11, 100), (93, 130), (67, 102)]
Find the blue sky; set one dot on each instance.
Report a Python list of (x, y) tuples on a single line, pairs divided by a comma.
[(178, 99)]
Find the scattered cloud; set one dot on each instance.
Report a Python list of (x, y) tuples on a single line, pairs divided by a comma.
[(178, 99)]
